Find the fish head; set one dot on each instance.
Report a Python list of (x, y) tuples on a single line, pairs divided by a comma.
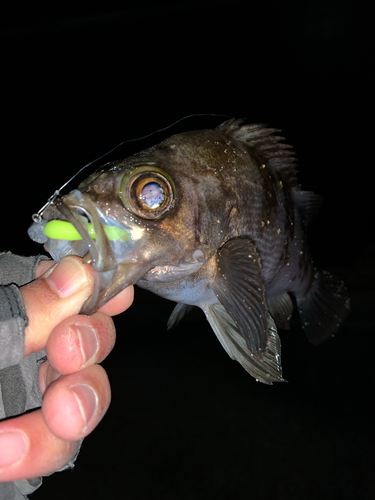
[(159, 215)]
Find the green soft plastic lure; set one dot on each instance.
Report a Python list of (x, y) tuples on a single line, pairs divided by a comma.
[(64, 230)]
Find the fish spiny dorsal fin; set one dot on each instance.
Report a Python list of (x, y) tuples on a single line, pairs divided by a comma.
[(230, 125), (268, 146)]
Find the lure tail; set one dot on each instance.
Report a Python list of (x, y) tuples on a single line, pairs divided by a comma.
[(324, 307)]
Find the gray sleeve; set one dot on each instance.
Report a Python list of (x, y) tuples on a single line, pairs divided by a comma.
[(15, 271), (13, 321), (19, 388), (18, 269), (19, 385)]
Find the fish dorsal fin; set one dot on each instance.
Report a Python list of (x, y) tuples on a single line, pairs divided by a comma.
[(266, 370), (308, 204), (260, 139), (281, 309), (239, 287)]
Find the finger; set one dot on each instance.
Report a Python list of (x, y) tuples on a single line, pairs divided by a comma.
[(80, 341), (119, 303), (56, 295), (29, 449), (43, 441), (43, 267), (115, 306), (47, 375), (74, 404)]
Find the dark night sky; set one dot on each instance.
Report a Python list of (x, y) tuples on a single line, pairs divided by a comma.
[(186, 422)]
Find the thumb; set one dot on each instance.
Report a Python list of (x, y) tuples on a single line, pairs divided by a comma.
[(56, 295)]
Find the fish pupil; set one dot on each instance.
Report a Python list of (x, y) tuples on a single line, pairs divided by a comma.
[(152, 194)]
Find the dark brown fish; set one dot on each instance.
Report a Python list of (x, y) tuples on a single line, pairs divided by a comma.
[(214, 219)]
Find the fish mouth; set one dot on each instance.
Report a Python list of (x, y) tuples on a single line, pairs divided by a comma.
[(104, 254)]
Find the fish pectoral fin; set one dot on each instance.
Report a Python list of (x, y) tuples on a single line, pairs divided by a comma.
[(177, 314), (281, 309), (266, 370), (239, 287), (324, 307)]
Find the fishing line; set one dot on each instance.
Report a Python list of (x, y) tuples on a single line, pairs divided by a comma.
[(38, 216)]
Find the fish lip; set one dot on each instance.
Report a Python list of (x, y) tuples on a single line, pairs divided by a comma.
[(79, 210)]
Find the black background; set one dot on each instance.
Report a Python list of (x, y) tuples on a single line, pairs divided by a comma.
[(185, 421)]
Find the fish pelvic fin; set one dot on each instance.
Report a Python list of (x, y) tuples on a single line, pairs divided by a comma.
[(266, 370), (324, 307), (177, 314)]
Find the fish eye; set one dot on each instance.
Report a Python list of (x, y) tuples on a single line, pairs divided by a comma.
[(147, 192)]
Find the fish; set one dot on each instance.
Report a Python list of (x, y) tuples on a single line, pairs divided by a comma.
[(213, 218)]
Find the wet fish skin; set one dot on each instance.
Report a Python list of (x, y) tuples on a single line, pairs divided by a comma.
[(232, 243)]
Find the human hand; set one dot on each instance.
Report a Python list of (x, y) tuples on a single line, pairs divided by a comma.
[(76, 390)]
